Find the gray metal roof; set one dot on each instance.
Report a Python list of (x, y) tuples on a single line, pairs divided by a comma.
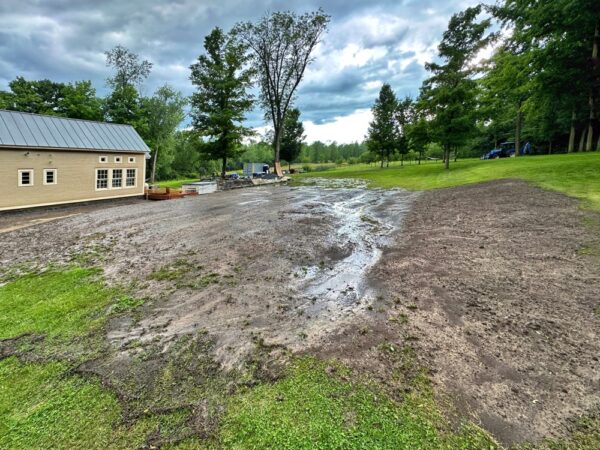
[(19, 129)]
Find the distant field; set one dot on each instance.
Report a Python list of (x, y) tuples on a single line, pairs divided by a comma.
[(577, 175), (176, 183)]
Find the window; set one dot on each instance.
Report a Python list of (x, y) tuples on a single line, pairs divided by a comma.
[(118, 159), (101, 179), (117, 178), (131, 178), (50, 176), (26, 177), (131, 159), (103, 159)]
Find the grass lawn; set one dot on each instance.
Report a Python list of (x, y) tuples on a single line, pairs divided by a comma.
[(176, 183), (577, 175)]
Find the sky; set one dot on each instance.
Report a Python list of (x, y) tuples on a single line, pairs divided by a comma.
[(368, 43)]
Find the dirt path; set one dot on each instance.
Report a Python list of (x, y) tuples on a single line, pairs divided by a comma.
[(504, 303), (491, 285)]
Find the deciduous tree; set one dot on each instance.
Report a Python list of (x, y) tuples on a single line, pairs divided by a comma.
[(281, 45)]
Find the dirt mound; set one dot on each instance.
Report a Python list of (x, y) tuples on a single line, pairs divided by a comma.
[(502, 286)]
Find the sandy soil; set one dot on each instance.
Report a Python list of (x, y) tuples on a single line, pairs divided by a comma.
[(491, 285), (504, 302)]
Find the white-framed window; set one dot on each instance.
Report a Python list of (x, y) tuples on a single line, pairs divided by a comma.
[(101, 179), (131, 179), (25, 177), (50, 176), (131, 159), (117, 178), (103, 159), (118, 159)]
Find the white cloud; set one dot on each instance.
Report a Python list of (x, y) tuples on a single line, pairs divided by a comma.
[(343, 129)]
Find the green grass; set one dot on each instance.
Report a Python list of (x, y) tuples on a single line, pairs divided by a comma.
[(176, 183), (55, 303), (577, 175), (311, 408), (43, 408)]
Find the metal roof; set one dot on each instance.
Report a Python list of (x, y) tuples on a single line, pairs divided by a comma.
[(19, 129)]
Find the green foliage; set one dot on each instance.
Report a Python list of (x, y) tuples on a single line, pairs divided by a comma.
[(449, 95), (161, 115), (575, 175), (280, 45), (221, 99), (384, 133), (293, 135)]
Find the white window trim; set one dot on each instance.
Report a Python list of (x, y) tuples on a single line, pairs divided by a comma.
[(118, 159), (31, 173), (108, 180), (134, 178), (131, 159), (55, 178), (100, 159), (111, 179)]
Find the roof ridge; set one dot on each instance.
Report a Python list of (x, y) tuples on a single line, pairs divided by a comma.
[(66, 118)]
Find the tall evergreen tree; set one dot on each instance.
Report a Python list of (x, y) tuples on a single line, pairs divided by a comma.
[(450, 93), (221, 100), (293, 135), (383, 134)]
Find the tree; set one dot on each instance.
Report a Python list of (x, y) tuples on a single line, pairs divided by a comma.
[(129, 70), (123, 104), (403, 116), (449, 95), (418, 135), (281, 45), (293, 135), (38, 97), (383, 134), (221, 99), (79, 101), (162, 113), (559, 36)]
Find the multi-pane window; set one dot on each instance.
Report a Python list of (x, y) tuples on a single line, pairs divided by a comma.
[(25, 177), (50, 176), (130, 180), (117, 178), (101, 178)]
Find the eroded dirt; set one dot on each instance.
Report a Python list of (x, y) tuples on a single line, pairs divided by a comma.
[(490, 286), (503, 300)]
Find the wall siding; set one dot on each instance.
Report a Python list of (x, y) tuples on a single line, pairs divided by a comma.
[(76, 176)]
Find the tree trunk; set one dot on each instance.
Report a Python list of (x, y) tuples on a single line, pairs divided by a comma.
[(446, 158), (590, 131), (402, 160), (224, 168), (420, 156), (550, 146), (455, 155), (154, 165), (590, 135), (277, 146), (382, 161), (518, 131), (582, 140), (598, 144), (571, 148)]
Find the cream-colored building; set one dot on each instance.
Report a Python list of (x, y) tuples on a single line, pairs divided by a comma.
[(49, 160)]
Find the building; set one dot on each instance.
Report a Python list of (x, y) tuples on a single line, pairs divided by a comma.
[(49, 160)]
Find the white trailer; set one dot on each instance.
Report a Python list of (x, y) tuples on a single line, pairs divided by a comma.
[(253, 169)]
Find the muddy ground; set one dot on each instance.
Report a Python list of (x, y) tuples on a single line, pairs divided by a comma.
[(493, 287)]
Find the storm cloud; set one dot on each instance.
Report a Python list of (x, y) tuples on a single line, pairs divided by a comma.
[(368, 43)]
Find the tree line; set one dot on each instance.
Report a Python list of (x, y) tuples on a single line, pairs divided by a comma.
[(540, 85)]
